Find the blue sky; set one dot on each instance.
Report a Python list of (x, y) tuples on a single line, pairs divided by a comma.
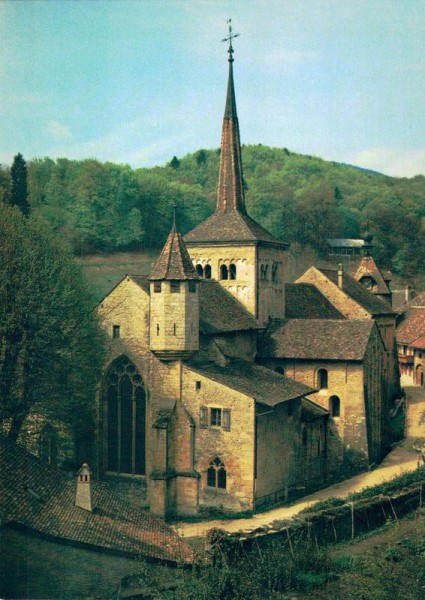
[(138, 81)]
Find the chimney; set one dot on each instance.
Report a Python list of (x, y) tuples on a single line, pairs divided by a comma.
[(407, 293), (340, 273), (83, 497)]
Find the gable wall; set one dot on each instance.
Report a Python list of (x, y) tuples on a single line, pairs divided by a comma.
[(235, 447)]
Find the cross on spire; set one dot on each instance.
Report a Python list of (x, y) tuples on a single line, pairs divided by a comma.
[(229, 39)]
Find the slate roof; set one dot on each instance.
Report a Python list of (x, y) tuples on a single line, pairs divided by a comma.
[(412, 327), (369, 268), (232, 226), (174, 261), (316, 339), (310, 411), (219, 311), (260, 383), (305, 301), (354, 289), (42, 499)]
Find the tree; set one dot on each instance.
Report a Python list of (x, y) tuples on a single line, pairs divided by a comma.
[(19, 185), (51, 347), (174, 163)]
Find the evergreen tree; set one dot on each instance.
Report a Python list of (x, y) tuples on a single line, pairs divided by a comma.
[(19, 185), (174, 163)]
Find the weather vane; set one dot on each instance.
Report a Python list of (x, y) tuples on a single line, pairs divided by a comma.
[(229, 39)]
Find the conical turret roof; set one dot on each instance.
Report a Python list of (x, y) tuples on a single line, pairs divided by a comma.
[(174, 262)]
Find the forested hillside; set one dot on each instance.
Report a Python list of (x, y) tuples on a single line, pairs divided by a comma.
[(108, 207)]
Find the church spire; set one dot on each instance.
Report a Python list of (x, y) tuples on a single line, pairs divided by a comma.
[(230, 195)]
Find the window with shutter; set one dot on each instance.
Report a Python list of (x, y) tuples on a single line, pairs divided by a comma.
[(226, 419), (204, 417)]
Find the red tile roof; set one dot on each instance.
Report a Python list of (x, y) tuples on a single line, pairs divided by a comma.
[(38, 497), (412, 327)]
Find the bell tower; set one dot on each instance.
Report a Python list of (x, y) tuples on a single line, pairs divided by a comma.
[(174, 301), (231, 247)]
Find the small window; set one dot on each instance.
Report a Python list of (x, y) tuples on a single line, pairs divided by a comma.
[(174, 329), (226, 419), (275, 267), (157, 287), (197, 385), (322, 379), (192, 287), (215, 417), (335, 406), (207, 272), (157, 330), (232, 271), (116, 332), (86, 478), (203, 417), (175, 287), (216, 475), (200, 270)]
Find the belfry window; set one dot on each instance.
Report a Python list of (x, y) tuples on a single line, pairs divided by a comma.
[(192, 287), (200, 270), (216, 475), (125, 422), (232, 271), (157, 287), (224, 272), (322, 379), (116, 332), (207, 272), (174, 287)]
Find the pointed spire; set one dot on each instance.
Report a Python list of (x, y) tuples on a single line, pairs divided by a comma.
[(230, 195), (174, 261)]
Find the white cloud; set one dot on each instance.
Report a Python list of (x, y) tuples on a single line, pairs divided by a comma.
[(392, 161), (58, 131)]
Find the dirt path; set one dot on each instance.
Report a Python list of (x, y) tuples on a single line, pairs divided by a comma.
[(415, 428), (397, 462)]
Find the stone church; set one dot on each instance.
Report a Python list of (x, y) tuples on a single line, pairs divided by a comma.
[(226, 387)]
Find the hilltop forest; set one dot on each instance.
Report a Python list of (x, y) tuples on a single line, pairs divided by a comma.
[(105, 207)]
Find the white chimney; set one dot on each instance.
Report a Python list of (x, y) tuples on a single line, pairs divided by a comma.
[(340, 274), (83, 497), (407, 293)]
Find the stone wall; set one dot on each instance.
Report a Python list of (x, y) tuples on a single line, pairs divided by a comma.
[(235, 448)]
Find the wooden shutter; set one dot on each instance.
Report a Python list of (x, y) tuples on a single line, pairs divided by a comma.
[(226, 419), (204, 417)]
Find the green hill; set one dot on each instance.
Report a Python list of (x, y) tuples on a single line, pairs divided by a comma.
[(105, 207)]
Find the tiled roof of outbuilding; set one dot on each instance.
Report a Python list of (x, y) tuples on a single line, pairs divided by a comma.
[(41, 498), (416, 302), (304, 301), (354, 289), (316, 339), (231, 226), (412, 327), (260, 383)]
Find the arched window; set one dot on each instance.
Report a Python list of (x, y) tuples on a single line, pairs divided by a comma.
[(200, 270), (335, 406), (224, 273), (125, 427), (232, 271), (207, 271), (322, 379), (216, 474), (48, 445)]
